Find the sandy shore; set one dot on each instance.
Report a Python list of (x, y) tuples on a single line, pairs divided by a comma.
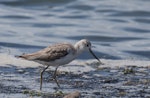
[(116, 78)]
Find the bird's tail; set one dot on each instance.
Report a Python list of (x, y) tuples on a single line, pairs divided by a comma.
[(20, 56)]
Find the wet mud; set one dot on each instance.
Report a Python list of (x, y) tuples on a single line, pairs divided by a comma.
[(103, 82)]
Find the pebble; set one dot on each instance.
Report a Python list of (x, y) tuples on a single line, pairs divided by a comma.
[(75, 94)]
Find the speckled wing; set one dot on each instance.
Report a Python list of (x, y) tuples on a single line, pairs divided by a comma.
[(50, 53)]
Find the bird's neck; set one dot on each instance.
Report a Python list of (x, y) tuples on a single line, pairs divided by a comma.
[(78, 49)]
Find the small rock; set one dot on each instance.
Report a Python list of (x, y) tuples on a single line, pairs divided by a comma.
[(73, 95)]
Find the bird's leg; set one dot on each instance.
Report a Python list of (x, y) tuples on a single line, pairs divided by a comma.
[(54, 76), (41, 80), (55, 72)]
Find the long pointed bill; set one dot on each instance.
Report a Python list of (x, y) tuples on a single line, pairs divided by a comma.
[(95, 56)]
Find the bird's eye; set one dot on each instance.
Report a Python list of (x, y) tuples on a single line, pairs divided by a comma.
[(87, 45)]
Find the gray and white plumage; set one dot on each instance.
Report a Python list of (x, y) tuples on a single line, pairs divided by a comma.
[(59, 54), (52, 54)]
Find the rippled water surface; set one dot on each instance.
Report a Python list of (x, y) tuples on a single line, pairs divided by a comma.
[(119, 29)]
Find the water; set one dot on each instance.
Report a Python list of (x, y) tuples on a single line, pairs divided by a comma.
[(119, 29)]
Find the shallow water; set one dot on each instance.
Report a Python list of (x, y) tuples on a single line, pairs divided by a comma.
[(117, 29)]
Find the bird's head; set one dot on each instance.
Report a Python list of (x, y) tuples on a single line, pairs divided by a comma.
[(85, 45)]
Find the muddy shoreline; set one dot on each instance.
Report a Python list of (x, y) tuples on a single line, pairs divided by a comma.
[(98, 82)]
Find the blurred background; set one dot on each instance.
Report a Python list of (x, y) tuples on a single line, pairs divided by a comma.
[(118, 29)]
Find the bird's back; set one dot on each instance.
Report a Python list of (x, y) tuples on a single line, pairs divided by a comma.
[(50, 53)]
